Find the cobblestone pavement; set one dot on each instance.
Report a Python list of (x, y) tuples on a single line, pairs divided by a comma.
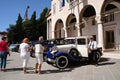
[(108, 69)]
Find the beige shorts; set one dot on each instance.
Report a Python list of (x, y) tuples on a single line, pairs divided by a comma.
[(39, 57)]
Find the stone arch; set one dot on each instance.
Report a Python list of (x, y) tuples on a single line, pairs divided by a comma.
[(86, 16), (110, 2), (110, 13), (59, 31), (71, 29)]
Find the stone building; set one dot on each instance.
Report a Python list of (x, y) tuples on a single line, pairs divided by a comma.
[(101, 18)]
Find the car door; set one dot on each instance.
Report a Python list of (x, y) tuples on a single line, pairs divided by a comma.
[(82, 46)]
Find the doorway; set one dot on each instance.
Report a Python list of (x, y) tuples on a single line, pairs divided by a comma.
[(110, 40)]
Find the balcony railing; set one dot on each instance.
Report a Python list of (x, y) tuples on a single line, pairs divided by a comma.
[(73, 3)]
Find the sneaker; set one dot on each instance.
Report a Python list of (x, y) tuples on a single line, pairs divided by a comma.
[(1, 69), (4, 70)]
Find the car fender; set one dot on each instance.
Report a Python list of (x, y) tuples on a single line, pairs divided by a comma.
[(71, 49), (60, 53), (67, 55)]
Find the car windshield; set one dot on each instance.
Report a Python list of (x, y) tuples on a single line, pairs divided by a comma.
[(59, 41)]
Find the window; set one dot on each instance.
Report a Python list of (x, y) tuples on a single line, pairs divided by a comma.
[(108, 17), (112, 17), (70, 41), (62, 3), (81, 41), (60, 41), (54, 8)]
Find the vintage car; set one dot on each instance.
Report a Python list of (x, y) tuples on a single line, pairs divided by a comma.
[(64, 50), (58, 58)]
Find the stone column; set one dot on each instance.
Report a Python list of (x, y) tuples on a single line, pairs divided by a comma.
[(47, 29), (78, 29), (100, 32), (65, 31)]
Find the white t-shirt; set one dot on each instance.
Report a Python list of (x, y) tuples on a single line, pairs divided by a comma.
[(93, 45), (23, 49), (38, 48)]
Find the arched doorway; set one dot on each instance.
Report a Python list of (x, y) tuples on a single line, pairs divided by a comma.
[(59, 31), (87, 21), (110, 18), (70, 26)]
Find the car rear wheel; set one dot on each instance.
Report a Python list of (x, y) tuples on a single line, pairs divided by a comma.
[(74, 53), (97, 56), (61, 62)]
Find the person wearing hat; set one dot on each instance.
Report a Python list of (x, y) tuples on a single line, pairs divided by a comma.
[(91, 47), (24, 50), (4, 50)]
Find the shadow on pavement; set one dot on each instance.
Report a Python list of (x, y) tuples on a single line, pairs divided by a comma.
[(30, 70), (102, 62), (51, 71), (106, 63), (104, 59), (56, 71), (18, 69)]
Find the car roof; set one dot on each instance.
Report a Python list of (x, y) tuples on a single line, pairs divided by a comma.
[(76, 37), (55, 39)]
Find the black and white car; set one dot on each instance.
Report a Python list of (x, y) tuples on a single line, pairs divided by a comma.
[(64, 50)]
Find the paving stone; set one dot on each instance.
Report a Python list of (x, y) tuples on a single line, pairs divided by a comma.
[(108, 69)]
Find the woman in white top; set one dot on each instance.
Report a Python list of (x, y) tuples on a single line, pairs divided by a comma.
[(39, 54), (24, 53)]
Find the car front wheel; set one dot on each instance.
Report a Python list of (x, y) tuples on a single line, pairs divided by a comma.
[(62, 62)]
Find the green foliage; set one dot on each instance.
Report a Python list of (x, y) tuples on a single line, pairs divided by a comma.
[(32, 28), (15, 32), (43, 23)]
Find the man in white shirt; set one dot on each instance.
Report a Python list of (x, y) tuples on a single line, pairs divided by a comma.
[(92, 43), (91, 46)]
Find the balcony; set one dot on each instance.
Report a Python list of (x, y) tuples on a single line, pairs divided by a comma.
[(73, 3)]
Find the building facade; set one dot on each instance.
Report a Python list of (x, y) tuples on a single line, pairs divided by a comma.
[(71, 18)]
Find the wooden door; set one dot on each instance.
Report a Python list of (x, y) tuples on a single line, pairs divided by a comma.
[(110, 41)]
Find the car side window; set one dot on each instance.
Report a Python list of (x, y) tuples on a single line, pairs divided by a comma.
[(70, 41), (81, 41)]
